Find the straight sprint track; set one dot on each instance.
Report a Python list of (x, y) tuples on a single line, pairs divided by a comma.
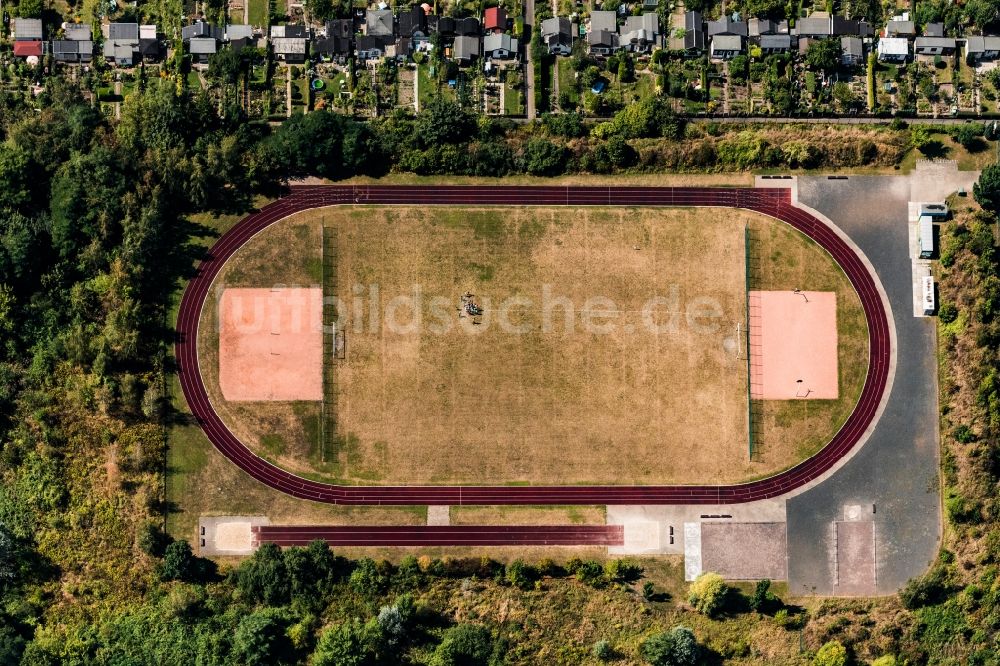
[(772, 202)]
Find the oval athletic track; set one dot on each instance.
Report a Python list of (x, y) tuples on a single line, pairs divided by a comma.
[(772, 202)]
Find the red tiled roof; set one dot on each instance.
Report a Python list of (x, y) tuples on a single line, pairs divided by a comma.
[(25, 49), (496, 18)]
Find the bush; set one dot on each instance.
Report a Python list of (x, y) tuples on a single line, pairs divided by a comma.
[(831, 654), (603, 651), (926, 590), (543, 158), (947, 313), (762, 599), (677, 647), (464, 645), (885, 660), (707, 593)]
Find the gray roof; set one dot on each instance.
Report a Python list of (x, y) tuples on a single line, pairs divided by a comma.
[(123, 31), (289, 45), (239, 31), (934, 30), (977, 44), (776, 41), (379, 22), (602, 20), (727, 26), (894, 28), (64, 48), (814, 25), (727, 43), (79, 32), (558, 25), (758, 26), (604, 38), (934, 42), (202, 45), (27, 29), (694, 31), (642, 28), (497, 41), (852, 46), (466, 48)]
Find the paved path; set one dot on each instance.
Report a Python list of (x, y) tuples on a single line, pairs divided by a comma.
[(529, 27), (896, 472), (446, 535)]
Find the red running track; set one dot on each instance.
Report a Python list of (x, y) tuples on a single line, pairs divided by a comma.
[(448, 535), (773, 202)]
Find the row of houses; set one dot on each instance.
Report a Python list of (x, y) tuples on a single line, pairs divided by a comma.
[(639, 34), (125, 44)]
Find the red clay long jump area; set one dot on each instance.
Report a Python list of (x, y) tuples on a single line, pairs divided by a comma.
[(271, 344), (793, 345)]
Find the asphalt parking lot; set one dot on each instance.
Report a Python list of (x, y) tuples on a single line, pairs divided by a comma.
[(894, 477)]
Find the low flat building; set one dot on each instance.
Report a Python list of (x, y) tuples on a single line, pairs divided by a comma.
[(557, 35), (900, 29), (775, 44), (78, 32), (500, 47), (641, 33), (202, 49), (72, 51), (893, 49), (465, 50), (291, 50), (978, 48), (28, 30), (726, 47), (852, 51), (935, 46)]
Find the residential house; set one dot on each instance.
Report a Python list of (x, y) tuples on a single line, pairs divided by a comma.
[(852, 51), (78, 32), (370, 48), (237, 31), (557, 35), (816, 27), (290, 50), (290, 31), (641, 33), (443, 25), (413, 24), (758, 26), (979, 48), (467, 26), (774, 44), (202, 49), (500, 47), (726, 47), (150, 50), (72, 50), (495, 20), (900, 29), (201, 29), (121, 44), (337, 45), (893, 49), (945, 46), (378, 23), (28, 49), (694, 34), (727, 26), (28, 30), (465, 50), (840, 26), (602, 40)]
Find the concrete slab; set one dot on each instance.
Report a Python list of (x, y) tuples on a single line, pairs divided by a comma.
[(439, 515), (744, 551), (692, 551), (659, 530), (227, 535), (855, 559)]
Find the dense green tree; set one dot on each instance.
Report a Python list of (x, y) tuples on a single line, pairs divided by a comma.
[(677, 647), (442, 122), (824, 54), (260, 638), (263, 577), (987, 188), (543, 158), (226, 66), (347, 644)]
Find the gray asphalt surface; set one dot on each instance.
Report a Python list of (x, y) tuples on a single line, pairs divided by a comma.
[(897, 470)]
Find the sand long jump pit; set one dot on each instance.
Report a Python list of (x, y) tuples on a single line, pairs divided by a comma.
[(512, 345)]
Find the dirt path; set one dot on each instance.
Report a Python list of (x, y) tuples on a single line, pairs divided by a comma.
[(529, 25)]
